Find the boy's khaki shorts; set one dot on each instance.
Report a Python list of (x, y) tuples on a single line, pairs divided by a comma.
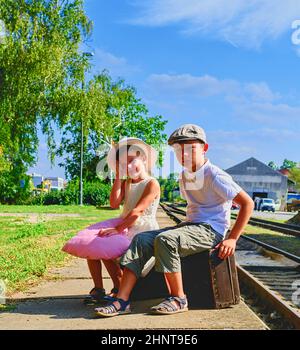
[(168, 245)]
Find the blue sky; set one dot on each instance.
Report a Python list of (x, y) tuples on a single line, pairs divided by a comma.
[(230, 66)]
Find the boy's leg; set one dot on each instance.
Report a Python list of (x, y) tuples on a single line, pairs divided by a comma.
[(174, 283), (171, 245), (140, 251), (182, 241)]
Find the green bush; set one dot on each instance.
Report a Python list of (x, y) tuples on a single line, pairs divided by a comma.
[(11, 191), (94, 193)]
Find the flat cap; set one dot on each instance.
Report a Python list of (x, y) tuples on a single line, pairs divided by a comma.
[(187, 132)]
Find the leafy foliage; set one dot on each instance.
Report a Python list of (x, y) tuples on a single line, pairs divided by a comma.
[(273, 165), (95, 193), (169, 188), (42, 80), (288, 164), (40, 71), (127, 116), (295, 176)]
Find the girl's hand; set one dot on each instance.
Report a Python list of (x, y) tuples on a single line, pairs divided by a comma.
[(117, 169), (107, 231), (120, 170)]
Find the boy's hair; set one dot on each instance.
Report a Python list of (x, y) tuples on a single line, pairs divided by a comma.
[(196, 141)]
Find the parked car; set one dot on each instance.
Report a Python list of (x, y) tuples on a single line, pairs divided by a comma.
[(266, 204)]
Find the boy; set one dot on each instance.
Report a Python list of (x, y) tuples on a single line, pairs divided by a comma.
[(209, 192)]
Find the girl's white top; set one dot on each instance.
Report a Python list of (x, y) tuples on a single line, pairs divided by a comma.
[(147, 221)]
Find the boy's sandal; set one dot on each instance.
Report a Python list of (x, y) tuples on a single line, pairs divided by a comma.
[(96, 296), (168, 308), (112, 310)]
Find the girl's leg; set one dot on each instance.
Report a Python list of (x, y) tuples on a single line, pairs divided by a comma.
[(95, 268), (114, 271)]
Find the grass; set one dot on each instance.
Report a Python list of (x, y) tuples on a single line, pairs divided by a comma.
[(28, 250), (288, 243), (53, 209), (271, 219)]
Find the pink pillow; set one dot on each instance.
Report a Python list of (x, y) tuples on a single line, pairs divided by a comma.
[(88, 245)]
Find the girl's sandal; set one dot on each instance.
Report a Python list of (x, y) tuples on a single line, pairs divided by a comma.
[(168, 308), (112, 310), (112, 296), (96, 296)]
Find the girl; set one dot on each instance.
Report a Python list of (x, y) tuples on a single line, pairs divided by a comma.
[(107, 240)]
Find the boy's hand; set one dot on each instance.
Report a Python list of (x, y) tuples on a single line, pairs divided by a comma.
[(226, 248), (107, 231)]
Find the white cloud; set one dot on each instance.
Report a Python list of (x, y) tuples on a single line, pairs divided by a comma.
[(230, 147), (117, 66), (269, 113), (260, 121), (252, 134), (207, 85), (242, 23), (252, 102), (186, 83), (261, 92)]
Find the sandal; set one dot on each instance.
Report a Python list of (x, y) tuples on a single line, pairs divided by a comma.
[(96, 297), (112, 310), (108, 297), (168, 308)]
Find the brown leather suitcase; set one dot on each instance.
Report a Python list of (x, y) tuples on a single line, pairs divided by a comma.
[(224, 280), (209, 282)]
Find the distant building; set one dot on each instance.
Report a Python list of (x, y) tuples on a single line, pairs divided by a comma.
[(285, 172), (56, 183), (46, 184), (260, 180), (37, 179)]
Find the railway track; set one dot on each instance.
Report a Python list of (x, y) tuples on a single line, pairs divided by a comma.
[(268, 247), (289, 229), (266, 273)]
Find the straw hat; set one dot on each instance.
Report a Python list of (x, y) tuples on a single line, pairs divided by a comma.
[(149, 151)]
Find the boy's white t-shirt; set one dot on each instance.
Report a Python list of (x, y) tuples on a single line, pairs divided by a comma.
[(209, 193)]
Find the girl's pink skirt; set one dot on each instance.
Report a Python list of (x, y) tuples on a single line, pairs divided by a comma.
[(88, 245)]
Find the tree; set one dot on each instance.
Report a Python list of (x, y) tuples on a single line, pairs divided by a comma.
[(40, 70), (272, 165), (295, 176), (168, 186), (4, 164), (127, 116), (288, 164), (41, 75)]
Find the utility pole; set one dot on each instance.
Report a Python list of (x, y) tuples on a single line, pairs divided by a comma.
[(85, 54)]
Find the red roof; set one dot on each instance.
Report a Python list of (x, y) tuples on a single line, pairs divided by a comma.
[(285, 172)]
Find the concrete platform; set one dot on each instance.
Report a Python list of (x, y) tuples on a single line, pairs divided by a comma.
[(58, 305)]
